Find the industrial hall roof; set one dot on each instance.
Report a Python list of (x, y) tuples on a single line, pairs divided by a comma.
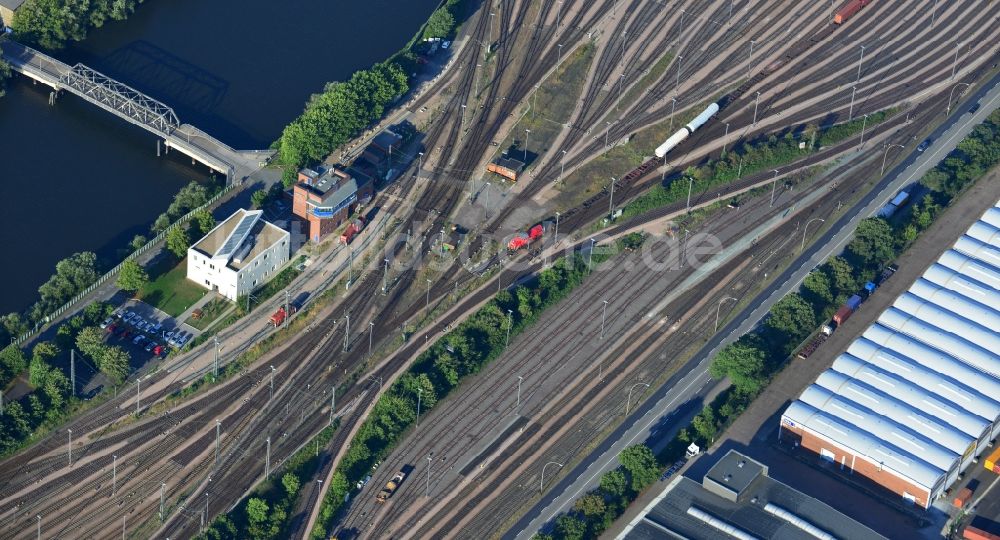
[(921, 385)]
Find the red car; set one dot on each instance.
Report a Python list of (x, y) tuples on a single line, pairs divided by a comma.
[(111, 328), (158, 350)]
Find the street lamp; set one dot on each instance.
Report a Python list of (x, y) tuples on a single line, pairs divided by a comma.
[(629, 400), (527, 134), (718, 308), (510, 322), (804, 229), (604, 316), (672, 107), (864, 123), (886, 154), (427, 302), (850, 112), (541, 482), (952, 94), (861, 59), (562, 167), (750, 57)]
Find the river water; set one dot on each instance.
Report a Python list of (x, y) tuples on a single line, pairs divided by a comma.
[(75, 178)]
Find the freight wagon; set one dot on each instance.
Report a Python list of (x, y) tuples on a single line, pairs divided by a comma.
[(849, 10)]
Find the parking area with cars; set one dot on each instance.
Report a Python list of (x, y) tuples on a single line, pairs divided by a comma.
[(143, 329)]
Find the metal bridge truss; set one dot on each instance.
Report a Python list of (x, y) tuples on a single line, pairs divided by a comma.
[(117, 97)]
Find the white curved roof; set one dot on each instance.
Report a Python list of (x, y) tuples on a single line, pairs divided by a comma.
[(955, 382), (908, 417), (948, 333), (984, 232), (979, 250), (948, 304), (890, 457), (959, 299), (916, 397), (947, 278), (977, 270), (973, 268), (992, 216), (929, 353)]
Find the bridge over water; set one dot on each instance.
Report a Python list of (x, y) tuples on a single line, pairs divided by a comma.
[(134, 107)]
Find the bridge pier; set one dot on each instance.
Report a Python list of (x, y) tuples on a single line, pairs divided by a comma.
[(52, 97)]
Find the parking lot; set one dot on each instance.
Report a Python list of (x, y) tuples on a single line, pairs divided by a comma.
[(146, 332)]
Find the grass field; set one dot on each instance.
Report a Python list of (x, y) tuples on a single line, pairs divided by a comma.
[(168, 289)]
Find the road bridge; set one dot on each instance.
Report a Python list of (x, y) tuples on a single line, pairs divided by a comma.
[(134, 107)]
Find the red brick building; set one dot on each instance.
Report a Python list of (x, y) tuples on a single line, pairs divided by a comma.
[(326, 199)]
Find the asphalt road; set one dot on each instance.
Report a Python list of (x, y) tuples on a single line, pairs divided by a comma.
[(693, 381)]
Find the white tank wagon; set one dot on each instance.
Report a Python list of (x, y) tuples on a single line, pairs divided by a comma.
[(687, 130)]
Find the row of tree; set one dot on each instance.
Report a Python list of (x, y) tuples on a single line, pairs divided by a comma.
[(755, 358), (52, 23), (51, 397), (462, 352), (265, 514), (342, 111)]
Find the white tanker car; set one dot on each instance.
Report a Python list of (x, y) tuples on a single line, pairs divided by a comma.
[(687, 130)]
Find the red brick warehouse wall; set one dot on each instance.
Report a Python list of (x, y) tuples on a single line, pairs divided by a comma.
[(859, 465)]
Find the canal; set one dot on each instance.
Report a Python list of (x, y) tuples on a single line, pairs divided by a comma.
[(74, 178)]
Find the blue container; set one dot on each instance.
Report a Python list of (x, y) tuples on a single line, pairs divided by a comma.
[(853, 302)]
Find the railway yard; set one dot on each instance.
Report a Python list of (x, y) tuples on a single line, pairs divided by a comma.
[(489, 458)]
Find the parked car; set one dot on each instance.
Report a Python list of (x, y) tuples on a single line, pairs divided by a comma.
[(137, 322), (182, 340), (169, 336), (446, 44), (156, 328), (126, 333), (150, 346), (138, 339), (128, 316), (923, 146), (149, 326), (111, 328), (106, 322), (158, 350)]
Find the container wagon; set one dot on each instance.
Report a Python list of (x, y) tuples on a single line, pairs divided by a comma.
[(390, 487), (992, 463)]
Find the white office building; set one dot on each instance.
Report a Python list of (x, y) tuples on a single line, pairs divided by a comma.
[(238, 255)]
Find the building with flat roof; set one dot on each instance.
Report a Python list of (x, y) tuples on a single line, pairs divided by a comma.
[(737, 498), (916, 398), (326, 198), (7, 9), (238, 255)]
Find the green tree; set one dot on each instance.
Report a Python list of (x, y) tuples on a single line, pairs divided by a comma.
[(817, 290), (590, 505), (90, 341), (704, 424), (46, 350), (641, 464), (569, 527), (161, 223), (178, 241), (205, 221), (792, 316), (873, 244), (132, 276), (114, 362), (291, 483), (743, 362), (257, 510), (13, 361), (259, 198), (73, 274), (38, 372), (440, 24), (4, 75), (842, 278), (138, 241), (613, 483)]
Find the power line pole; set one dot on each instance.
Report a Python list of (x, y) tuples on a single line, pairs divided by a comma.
[(218, 436), (611, 201), (69, 448), (510, 322), (347, 331), (114, 474), (137, 396), (420, 391), (428, 489), (371, 332), (333, 402), (216, 368), (267, 459), (72, 372), (163, 485), (604, 315), (288, 314), (269, 399), (385, 276), (517, 408)]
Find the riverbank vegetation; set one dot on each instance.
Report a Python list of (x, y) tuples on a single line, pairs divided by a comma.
[(50, 24), (751, 362), (439, 370), (4, 75)]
